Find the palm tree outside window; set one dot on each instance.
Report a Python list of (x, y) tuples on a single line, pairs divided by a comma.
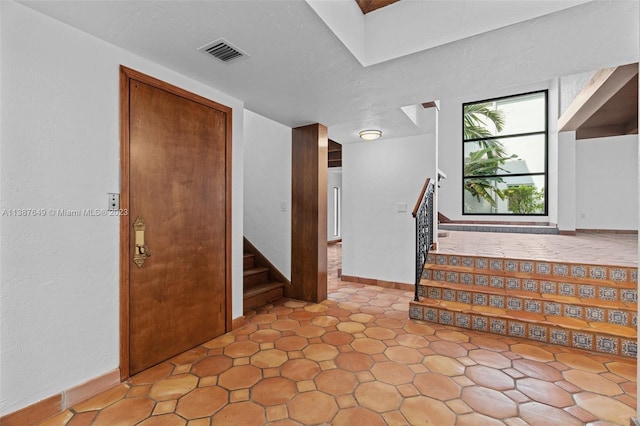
[(505, 155)]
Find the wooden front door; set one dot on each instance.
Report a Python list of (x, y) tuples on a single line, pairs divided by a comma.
[(176, 179)]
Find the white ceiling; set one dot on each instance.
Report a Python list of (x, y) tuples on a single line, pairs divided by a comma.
[(299, 72)]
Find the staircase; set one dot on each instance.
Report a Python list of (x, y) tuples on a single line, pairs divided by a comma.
[(259, 288), (591, 307)]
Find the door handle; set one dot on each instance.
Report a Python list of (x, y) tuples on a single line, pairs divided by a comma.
[(141, 251)]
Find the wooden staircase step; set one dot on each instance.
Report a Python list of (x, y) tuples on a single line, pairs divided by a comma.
[(256, 275), (262, 294), (248, 261)]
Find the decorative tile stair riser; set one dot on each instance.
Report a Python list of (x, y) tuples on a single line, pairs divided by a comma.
[(590, 307)]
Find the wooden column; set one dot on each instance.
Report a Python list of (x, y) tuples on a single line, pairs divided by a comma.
[(309, 213)]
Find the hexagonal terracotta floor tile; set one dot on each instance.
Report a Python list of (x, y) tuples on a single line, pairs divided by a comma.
[(325, 321), (605, 408), (351, 327), (368, 346), (490, 359), (240, 413), (202, 402), (533, 352), (317, 307), (452, 349), (490, 342), (302, 315), (239, 377), (421, 410), (358, 416), (363, 318), (163, 420), (312, 407), (628, 371), (190, 356), (336, 382), (300, 369), (392, 373), (264, 336), (380, 333), (152, 375), (269, 358), (403, 355), (537, 370), (532, 412), (126, 411), (545, 392), (452, 335), (320, 352), (436, 386), (475, 419), (309, 331), (337, 338), (212, 366), (581, 362), (378, 396), (273, 391), (291, 343), (443, 365), (592, 382), (354, 361), (263, 319), (489, 377), (421, 329), (220, 342), (173, 387), (489, 402), (285, 324), (412, 341), (241, 349), (108, 397)]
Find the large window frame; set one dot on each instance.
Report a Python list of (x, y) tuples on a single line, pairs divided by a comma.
[(507, 137)]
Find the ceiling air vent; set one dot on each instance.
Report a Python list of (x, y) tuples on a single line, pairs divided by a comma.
[(222, 50)]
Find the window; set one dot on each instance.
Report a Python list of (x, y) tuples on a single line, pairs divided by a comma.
[(505, 155)]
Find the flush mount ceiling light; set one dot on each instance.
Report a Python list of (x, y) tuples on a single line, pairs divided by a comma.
[(370, 135)]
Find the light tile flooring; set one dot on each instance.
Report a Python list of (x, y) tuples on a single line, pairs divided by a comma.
[(594, 248), (357, 360)]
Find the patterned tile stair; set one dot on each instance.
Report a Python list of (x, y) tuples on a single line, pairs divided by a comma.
[(591, 307)]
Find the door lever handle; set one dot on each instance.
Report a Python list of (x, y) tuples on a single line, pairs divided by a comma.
[(141, 251)]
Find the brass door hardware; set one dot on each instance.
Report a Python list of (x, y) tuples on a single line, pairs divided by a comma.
[(141, 252)]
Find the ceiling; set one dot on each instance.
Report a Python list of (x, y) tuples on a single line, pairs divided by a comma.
[(298, 71)]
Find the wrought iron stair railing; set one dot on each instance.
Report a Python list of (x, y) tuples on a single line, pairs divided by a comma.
[(423, 214)]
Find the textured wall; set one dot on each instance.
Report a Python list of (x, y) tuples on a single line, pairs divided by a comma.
[(60, 150)]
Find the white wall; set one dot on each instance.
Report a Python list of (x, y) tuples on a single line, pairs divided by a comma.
[(567, 182), (450, 152), (60, 150), (267, 189), (606, 183), (377, 239)]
